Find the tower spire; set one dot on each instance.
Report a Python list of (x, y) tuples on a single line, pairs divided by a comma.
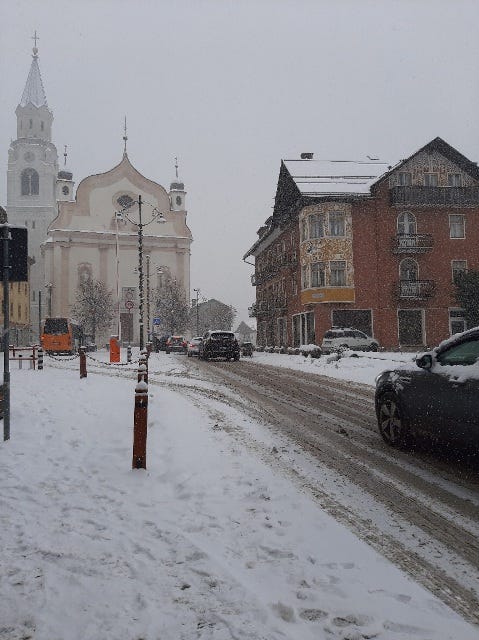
[(34, 92), (176, 167), (65, 156)]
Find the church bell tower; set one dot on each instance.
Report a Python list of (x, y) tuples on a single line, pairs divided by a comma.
[(32, 180)]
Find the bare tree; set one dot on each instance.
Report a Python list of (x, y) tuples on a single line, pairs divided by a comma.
[(94, 307), (171, 307)]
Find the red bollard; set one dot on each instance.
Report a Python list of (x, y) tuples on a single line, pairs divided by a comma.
[(82, 362), (139, 426)]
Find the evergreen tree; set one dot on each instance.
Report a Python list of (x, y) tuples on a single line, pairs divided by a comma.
[(467, 296), (94, 308)]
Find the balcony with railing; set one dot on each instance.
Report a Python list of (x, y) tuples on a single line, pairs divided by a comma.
[(412, 243), (434, 196), (415, 289)]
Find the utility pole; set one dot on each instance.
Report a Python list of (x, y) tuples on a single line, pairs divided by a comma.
[(6, 325), (197, 291)]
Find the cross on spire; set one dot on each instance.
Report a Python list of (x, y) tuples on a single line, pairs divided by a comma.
[(176, 166), (125, 138), (65, 155), (35, 38)]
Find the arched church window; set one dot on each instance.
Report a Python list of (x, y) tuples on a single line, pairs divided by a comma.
[(30, 182)]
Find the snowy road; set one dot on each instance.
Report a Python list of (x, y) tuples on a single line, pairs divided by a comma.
[(419, 510), (222, 436)]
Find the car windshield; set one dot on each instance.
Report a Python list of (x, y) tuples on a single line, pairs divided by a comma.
[(222, 336), (466, 353)]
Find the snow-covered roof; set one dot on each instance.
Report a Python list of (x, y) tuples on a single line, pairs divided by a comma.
[(34, 92), (322, 177)]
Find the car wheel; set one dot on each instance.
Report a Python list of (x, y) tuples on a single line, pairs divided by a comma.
[(391, 424), (167, 351), (236, 358), (373, 347)]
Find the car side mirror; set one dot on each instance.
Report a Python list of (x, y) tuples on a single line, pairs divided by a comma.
[(424, 361)]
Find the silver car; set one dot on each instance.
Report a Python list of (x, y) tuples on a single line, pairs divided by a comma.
[(337, 339), (193, 347)]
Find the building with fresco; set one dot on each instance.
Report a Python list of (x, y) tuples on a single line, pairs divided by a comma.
[(369, 246)]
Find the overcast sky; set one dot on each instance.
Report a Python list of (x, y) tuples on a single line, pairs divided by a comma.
[(232, 87)]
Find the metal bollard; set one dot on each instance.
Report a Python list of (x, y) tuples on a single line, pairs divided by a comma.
[(149, 348), (128, 353), (83, 372), (140, 420), (20, 361), (32, 361), (40, 358)]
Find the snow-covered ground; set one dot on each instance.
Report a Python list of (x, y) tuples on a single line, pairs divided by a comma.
[(210, 542)]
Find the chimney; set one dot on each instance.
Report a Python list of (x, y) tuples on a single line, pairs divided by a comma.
[(307, 156)]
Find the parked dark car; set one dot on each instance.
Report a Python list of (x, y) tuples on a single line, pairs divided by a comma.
[(247, 349), (439, 398), (219, 344), (159, 343), (177, 344)]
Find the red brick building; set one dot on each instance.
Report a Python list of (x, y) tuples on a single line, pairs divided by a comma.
[(366, 245)]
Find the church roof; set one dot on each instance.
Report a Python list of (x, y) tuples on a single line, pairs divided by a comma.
[(34, 92)]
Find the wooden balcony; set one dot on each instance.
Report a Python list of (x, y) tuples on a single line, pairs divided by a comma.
[(412, 243), (415, 289), (434, 196)]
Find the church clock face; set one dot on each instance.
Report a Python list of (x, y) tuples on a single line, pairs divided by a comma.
[(29, 157)]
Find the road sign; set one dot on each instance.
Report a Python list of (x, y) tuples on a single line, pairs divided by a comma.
[(17, 254), (156, 322), (129, 304)]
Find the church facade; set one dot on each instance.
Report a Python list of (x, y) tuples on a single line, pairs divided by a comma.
[(97, 237), (72, 237)]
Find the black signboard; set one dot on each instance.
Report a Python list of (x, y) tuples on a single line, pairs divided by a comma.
[(17, 253)]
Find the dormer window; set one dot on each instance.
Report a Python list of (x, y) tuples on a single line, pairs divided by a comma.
[(404, 179), (430, 179), (454, 180)]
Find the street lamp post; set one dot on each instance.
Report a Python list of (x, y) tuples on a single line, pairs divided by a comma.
[(148, 316), (158, 217), (197, 291), (49, 287)]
